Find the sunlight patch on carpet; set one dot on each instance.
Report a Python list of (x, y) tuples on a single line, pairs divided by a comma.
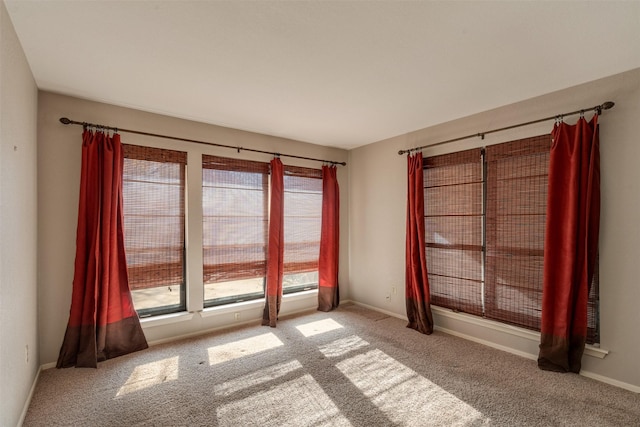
[(343, 346), (299, 402), (150, 374), (318, 327), (236, 349), (404, 396), (257, 378)]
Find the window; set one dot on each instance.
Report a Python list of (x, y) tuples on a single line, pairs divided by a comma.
[(454, 215), (235, 208), (302, 222), (154, 227), (485, 213), (235, 219), (517, 179), (235, 214)]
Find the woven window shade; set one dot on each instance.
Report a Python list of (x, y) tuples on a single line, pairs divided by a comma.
[(234, 209), (153, 202), (302, 218), (509, 287), (593, 307), (517, 179), (453, 227)]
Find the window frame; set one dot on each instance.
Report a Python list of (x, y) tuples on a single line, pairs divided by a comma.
[(192, 286), (291, 173), (468, 160), (162, 155), (528, 145), (234, 165), (225, 163)]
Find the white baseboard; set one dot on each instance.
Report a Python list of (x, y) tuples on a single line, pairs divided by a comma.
[(487, 343), (380, 310), (48, 366), (526, 355), (611, 381), (29, 397)]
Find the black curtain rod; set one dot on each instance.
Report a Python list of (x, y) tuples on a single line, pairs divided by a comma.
[(598, 108), (67, 121)]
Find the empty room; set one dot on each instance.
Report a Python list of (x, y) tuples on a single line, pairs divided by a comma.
[(306, 213)]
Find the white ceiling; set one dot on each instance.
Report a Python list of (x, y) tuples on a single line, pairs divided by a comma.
[(336, 73)]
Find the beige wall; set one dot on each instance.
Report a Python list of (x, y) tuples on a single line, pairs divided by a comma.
[(58, 186), (377, 218), (18, 224)]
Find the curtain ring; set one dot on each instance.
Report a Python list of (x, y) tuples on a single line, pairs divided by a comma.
[(582, 114)]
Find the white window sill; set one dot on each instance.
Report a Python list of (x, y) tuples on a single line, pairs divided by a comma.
[(254, 304), (509, 329), (300, 295), (231, 308), (166, 319)]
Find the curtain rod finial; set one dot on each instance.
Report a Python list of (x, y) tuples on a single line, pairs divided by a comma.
[(64, 120), (401, 152), (608, 105)]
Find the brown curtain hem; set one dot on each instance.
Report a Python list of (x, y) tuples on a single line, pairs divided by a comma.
[(560, 354), (270, 312), (419, 319), (328, 298), (80, 345)]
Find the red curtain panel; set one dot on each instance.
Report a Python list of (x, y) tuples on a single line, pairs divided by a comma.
[(102, 323), (275, 249), (328, 292), (418, 299), (571, 243)]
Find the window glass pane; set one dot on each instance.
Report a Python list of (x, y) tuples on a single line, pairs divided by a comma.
[(453, 186), (153, 202), (516, 214), (302, 222), (296, 282), (217, 293), (234, 207)]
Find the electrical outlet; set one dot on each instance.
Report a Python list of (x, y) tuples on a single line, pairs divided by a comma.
[(236, 316), (393, 290)]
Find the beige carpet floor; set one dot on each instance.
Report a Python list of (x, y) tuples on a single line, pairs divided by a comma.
[(350, 367)]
